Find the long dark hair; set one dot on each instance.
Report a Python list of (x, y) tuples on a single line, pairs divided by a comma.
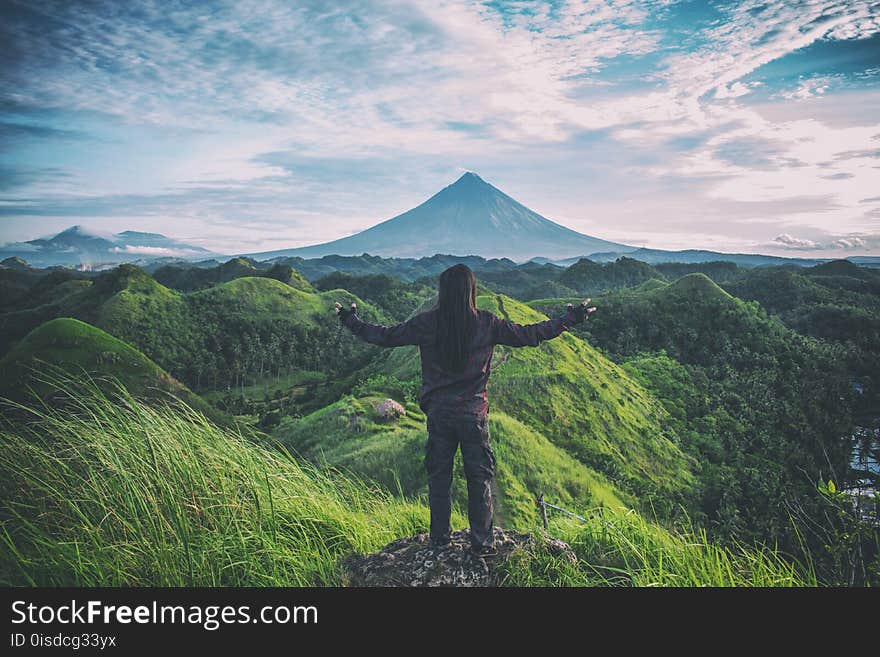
[(456, 316)]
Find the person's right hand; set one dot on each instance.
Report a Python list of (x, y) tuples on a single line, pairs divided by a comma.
[(342, 312), (582, 311)]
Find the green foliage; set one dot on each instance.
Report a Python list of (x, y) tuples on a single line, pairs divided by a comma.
[(837, 302), (548, 290), (403, 391), (349, 435), (396, 298), (848, 530), (622, 548), (68, 346), (31, 288), (188, 278), (759, 406), (588, 277), (677, 398), (289, 276), (582, 402), (524, 282), (113, 492), (227, 336)]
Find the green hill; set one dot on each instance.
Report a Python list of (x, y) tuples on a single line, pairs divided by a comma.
[(131, 495), (565, 390), (16, 280), (71, 346), (693, 319), (225, 336), (351, 436), (588, 277), (837, 301), (843, 268), (395, 297), (781, 290), (760, 406), (14, 263), (188, 278), (719, 271)]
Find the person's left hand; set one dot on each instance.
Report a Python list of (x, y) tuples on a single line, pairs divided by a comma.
[(344, 313), (582, 311)]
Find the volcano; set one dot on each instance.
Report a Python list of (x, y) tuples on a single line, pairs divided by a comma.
[(469, 217)]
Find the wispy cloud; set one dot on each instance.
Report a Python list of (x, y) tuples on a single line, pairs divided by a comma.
[(851, 243), (309, 120), (154, 251), (790, 241)]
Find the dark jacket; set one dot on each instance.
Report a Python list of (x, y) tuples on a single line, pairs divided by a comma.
[(463, 393)]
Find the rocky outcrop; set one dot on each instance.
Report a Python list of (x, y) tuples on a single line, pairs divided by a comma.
[(389, 410), (414, 561)]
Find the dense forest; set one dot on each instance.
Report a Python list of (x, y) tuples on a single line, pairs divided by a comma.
[(710, 397)]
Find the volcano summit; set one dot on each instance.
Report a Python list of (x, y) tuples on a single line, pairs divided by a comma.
[(469, 217)]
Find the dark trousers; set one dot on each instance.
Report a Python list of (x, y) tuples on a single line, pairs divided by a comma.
[(445, 434)]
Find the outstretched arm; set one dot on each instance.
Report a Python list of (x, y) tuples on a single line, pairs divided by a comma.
[(408, 332), (530, 335)]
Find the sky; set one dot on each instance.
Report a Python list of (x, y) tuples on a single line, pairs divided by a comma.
[(251, 125)]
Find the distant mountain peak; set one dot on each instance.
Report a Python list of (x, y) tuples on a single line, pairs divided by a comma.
[(470, 180), (468, 217), (74, 230), (469, 176), (80, 246)]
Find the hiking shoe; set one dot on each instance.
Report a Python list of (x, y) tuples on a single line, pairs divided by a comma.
[(484, 550)]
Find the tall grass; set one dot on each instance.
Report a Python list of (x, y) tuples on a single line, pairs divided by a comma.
[(108, 490), (622, 548), (111, 491)]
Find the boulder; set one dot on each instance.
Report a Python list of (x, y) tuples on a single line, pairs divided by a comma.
[(389, 410)]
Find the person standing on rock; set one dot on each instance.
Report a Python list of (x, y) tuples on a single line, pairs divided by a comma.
[(456, 342)]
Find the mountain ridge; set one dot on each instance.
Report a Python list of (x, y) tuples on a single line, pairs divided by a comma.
[(79, 246)]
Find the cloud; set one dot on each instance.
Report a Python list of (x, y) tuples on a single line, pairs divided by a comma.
[(794, 242), (156, 251), (315, 120), (850, 243), (320, 67), (344, 79), (841, 243), (14, 177), (12, 132), (735, 90), (809, 88)]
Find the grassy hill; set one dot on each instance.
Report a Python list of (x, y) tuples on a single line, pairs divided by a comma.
[(566, 391), (350, 435), (226, 336), (672, 392), (837, 302), (395, 297), (70, 346), (588, 277), (760, 406), (124, 494), (187, 278), (693, 319)]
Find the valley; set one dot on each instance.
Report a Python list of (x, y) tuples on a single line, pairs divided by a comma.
[(708, 399)]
